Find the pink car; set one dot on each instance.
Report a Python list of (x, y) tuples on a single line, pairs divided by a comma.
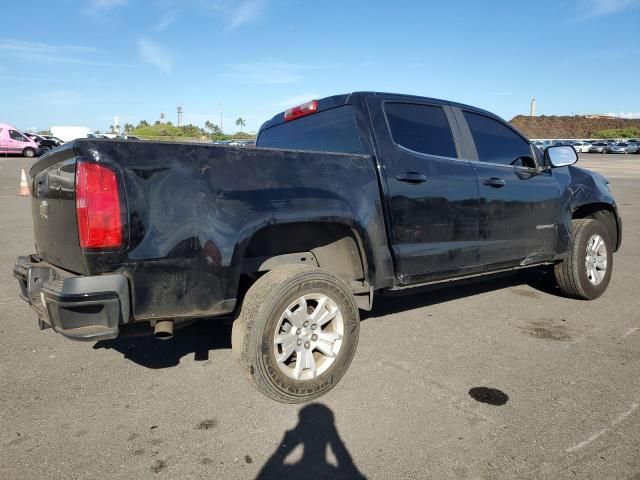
[(14, 142)]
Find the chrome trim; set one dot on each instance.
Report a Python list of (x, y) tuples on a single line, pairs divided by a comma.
[(439, 157)]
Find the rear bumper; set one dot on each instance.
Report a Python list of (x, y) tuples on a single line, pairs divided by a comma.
[(80, 308)]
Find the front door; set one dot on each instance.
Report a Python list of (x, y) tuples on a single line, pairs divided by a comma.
[(432, 192), (519, 202)]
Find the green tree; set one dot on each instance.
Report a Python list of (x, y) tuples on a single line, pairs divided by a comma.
[(628, 132), (142, 124), (241, 122), (128, 128), (212, 128)]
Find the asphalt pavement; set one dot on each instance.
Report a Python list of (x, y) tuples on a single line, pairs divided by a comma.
[(499, 379)]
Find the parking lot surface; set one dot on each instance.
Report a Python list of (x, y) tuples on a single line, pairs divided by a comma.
[(561, 378)]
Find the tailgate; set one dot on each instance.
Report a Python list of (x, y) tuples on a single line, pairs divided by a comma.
[(53, 210)]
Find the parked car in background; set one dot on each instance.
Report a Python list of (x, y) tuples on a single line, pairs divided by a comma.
[(13, 141), (45, 143), (598, 147), (617, 148), (132, 137), (242, 143), (55, 139), (634, 146), (581, 147)]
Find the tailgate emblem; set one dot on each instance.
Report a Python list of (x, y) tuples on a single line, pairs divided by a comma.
[(44, 210)]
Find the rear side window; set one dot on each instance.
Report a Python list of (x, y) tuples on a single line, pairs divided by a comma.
[(495, 142), (333, 130), (421, 128)]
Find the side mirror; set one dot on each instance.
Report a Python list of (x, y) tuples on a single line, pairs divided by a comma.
[(560, 156)]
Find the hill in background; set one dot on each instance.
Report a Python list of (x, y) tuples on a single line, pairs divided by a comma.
[(576, 127)]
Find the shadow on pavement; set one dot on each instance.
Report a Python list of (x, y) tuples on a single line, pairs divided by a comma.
[(212, 334), (198, 338), (315, 432)]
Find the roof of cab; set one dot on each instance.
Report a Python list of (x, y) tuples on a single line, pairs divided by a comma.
[(342, 99)]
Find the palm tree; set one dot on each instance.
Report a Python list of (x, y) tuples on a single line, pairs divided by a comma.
[(241, 122)]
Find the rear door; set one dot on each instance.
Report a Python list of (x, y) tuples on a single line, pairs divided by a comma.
[(519, 201), (432, 192)]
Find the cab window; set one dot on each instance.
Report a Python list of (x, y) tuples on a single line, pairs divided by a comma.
[(497, 143), (421, 128)]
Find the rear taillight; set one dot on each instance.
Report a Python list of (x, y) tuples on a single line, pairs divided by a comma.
[(98, 206), (301, 110)]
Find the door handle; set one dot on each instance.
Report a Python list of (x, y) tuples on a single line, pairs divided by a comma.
[(411, 177), (494, 182)]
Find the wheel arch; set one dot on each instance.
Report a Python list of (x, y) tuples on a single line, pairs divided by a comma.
[(339, 247), (605, 213)]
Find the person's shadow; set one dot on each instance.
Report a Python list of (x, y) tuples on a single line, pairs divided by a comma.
[(315, 431)]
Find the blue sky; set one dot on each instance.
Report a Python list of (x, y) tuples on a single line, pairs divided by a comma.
[(71, 62)]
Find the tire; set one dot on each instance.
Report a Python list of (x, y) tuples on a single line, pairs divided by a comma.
[(571, 274), (29, 152), (263, 312)]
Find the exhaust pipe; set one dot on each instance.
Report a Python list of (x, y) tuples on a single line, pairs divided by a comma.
[(163, 330)]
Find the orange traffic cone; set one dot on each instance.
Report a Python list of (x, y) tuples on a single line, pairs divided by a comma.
[(24, 185)]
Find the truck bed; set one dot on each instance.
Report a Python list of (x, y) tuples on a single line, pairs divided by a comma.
[(194, 212)]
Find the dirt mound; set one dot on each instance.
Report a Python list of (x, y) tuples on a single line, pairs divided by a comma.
[(569, 127)]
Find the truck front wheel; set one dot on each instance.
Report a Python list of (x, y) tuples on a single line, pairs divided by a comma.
[(586, 272), (296, 333)]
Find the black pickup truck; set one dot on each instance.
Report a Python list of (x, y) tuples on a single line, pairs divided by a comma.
[(342, 198)]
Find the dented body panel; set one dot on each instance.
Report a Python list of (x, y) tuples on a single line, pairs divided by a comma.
[(196, 217)]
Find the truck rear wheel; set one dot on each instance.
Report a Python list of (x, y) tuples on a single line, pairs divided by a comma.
[(296, 333), (586, 272)]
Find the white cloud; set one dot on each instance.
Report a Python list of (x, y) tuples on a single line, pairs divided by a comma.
[(245, 12), (52, 54), (21, 46), (625, 114), (235, 13), (167, 19), (599, 8), (272, 72), (155, 55)]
